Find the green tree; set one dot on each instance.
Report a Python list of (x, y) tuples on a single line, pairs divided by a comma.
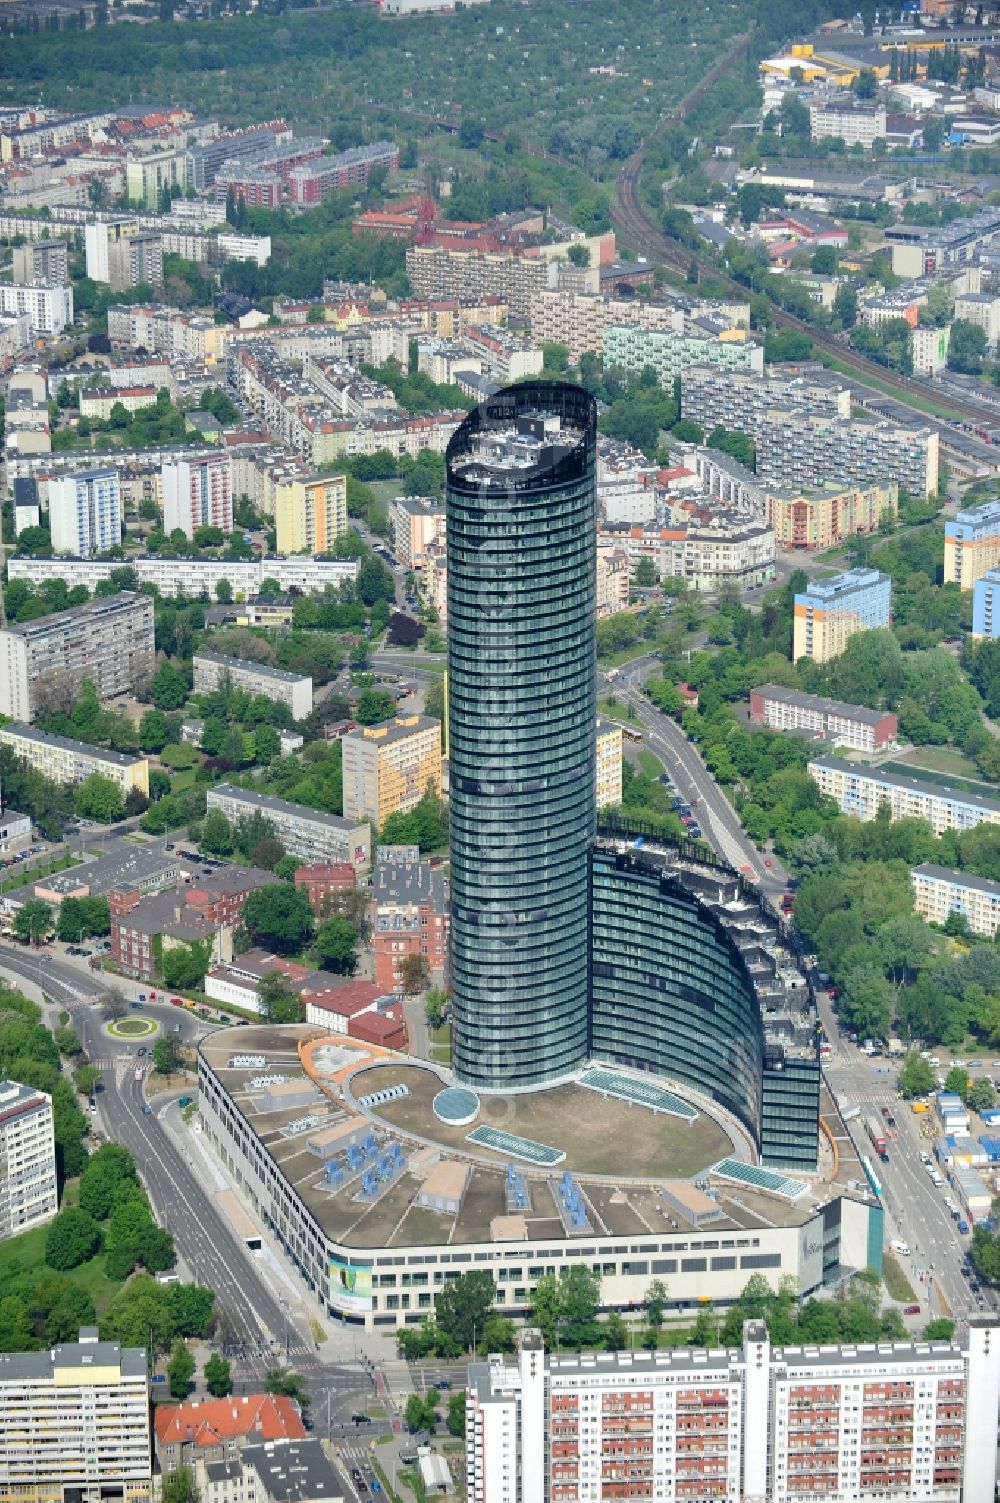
[(169, 690), (218, 1376), (100, 798), (184, 965), (33, 921), (180, 1371), (71, 1238), (421, 1411), (463, 1304), (941, 1329), (336, 945), (579, 1297), (192, 1310), (967, 347), (982, 1096), (107, 1169), (645, 573), (178, 1486), (167, 1055), (216, 833), (958, 1080), (614, 1333), (287, 1384), (279, 918), (154, 731), (916, 1078), (456, 1414), (434, 1007), (278, 1002)]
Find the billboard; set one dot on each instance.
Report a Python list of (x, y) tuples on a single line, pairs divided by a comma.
[(350, 1286)]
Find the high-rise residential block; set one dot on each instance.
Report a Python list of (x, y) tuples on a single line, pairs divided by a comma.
[(66, 761), (389, 767), (800, 420), (41, 261), (896, 1419), (197, 492), (863, 791), (633, 348), (521, 498), (122, 254), (74, 1423), (972, 545), (819, 517), (109, 641), (610, 741), (310, 513), (416, 523), (85, 513), (986, 605), (28, 1191), (49, 308), (830, 611), (211, 669)]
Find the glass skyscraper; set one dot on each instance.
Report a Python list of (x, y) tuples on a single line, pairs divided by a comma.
[(521, 520)]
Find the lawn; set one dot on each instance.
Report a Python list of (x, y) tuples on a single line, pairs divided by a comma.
[(26, 1254), (649, 763), (896, 1283), (182, 780), (441, 1044), (937, 759), (20, 877)]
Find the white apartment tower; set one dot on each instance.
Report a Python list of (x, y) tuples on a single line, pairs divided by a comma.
[(74, 1423), (758, 1424), (85, 514), (198, 492), (28, 1192)]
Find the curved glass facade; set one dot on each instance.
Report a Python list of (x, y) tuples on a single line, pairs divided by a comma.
[(521, 527), (671, 993)]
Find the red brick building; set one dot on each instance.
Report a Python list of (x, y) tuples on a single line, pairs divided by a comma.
[(322, 880), (141, 927), (409, 915)]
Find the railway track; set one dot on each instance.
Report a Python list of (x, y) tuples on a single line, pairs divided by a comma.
[(647, 239)]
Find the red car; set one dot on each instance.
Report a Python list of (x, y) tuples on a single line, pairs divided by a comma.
[(176, 1002)]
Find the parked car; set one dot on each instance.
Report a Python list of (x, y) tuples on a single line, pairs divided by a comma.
[(911, 1309)]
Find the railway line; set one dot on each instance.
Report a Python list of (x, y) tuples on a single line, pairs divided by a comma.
[(632, 221)]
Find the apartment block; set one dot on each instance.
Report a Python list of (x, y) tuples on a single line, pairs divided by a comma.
[(854, 726), (579, 319), (212, 669), (28, 1191), (610, 756), (847, 121), (48, 308), (109, 641), (197, 492), (972, 544), (66, 761), (806, 518), (938, 892), (85, 513), (322, 881), (41, 262), (148, 175), (438, 271), (311, 182), (415, 523), (409, 914), (632, 348), (614, 576), (388, 767), (74, 1423), (306, 833), (122, 254), (986, 605), (862, 791), (310, 513), (830, 611), (504, 356), (194, 576), (890, 1419), (929, 350), (981, 309), (800, 420)]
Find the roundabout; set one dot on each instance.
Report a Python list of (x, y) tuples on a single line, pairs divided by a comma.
[(132, 1028)]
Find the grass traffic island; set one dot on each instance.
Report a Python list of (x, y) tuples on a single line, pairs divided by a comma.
[(132, 1028)]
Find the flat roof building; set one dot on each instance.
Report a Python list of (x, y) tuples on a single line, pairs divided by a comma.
[(939, 892), (846, 725), (306, 833), (610, 757), (390, 766), (740, 1423), (74, 1423), (972, 544), (28, 1189), (109, 641), (830, 611), (862, 790), (67, 761), (211, 669)]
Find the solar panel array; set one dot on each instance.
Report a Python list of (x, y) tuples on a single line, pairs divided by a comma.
[(379, 1098)]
